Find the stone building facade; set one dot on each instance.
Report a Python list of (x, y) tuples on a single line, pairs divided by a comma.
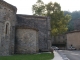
[(73, 39), (22, 33), (59, 41)]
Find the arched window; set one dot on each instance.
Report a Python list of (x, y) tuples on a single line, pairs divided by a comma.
[(7, 28)]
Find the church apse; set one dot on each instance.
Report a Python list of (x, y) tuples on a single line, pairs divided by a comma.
[(26, 41)]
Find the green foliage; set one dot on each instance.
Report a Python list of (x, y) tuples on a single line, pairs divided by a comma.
[(74, 15), (42, 56), (59, 21), (39, 8)]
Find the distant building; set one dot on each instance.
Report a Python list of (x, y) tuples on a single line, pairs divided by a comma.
[(73, 39), (59, 40), (22, 33)]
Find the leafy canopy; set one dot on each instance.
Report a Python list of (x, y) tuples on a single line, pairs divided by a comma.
[(59, 21), (39, 8)]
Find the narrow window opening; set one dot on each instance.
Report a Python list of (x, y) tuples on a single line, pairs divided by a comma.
[(7, 25)]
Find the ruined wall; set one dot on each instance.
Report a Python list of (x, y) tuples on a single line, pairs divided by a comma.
[(7, 21), (26, 41)]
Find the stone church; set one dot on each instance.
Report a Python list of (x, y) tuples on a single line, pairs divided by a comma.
[(22, 34)]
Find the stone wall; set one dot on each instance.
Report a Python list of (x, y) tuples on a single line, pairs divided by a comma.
[(42, 24), (73, 38), (43, 34), (7, 21), (26, 41), (59, 39)]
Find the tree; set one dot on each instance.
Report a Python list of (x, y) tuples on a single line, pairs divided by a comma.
[(39, 8), (75, 15), (59, 22)]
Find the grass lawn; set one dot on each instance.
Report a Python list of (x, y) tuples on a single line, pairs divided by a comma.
[(42, 56)]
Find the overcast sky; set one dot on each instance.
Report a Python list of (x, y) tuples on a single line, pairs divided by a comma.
[(25, 6)]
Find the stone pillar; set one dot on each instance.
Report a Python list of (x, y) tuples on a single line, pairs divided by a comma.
[(5, 45), (49, 35), (12, 40), (49, 44), (6, 39), (49, 25), (0, 36)]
